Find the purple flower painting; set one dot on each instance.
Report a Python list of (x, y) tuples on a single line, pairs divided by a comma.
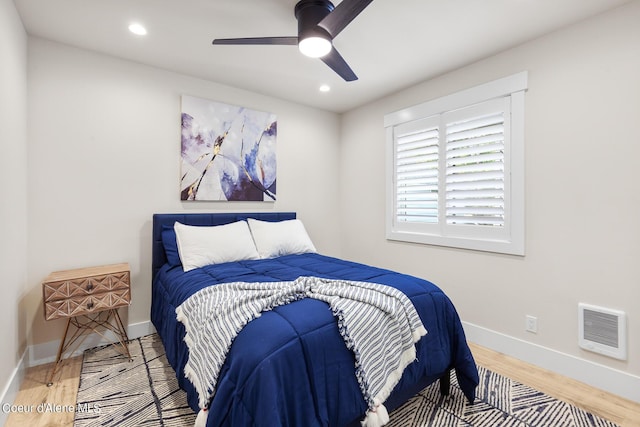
[(228, 152)]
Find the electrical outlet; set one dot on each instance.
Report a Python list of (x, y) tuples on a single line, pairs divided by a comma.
[(532, 324)]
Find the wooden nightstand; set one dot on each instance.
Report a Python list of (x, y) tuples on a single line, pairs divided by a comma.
[(89, 299)]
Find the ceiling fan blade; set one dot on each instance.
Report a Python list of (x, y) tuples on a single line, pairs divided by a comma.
[(336, 62), (259, 41), (342, 15)]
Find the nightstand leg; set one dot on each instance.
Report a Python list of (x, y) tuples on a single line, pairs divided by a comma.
[(122, 332), (60, 350)]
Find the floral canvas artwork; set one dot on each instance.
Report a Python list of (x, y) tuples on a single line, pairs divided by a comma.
[(228, 152)]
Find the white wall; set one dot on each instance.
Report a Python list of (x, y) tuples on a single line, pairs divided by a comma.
[(104, 155), (582, 198), (13, 191)]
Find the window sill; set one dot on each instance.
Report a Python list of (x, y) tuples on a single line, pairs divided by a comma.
[(508, 247)]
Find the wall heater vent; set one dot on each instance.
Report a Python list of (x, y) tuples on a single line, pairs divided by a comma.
[(602, 330)]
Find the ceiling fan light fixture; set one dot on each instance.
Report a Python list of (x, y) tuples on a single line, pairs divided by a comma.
[(315, 47)]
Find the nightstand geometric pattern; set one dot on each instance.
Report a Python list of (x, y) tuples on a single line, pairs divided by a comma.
[(83, 295)]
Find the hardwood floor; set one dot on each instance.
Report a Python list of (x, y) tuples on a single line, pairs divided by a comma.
[(39, 401), (623, 412), (63, 393)]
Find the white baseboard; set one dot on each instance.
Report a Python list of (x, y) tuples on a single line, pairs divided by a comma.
[(599, 376), (40, 354), (137, 330), (12, 387)]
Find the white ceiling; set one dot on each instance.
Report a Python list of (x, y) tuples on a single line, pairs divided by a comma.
[(391, 45)]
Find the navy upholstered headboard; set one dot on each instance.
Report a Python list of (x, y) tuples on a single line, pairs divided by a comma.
[(159, 257)]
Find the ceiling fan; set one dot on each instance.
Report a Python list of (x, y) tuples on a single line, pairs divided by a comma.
[(319, 22)]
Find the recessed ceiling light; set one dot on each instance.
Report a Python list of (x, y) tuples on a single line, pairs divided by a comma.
[(324, 88), (138, 29)]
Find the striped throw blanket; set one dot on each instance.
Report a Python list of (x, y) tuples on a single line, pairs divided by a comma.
[(378, 323)]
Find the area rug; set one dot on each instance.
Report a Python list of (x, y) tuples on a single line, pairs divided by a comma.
[(145, 392)]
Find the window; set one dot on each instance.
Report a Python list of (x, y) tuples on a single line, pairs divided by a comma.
[(456, 169)]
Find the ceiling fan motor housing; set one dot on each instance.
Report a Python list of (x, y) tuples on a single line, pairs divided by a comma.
[(309, 13)]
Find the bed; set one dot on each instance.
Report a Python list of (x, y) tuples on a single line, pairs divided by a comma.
[(290, 366)]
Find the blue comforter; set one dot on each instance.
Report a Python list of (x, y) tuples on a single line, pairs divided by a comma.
[(290, 366)]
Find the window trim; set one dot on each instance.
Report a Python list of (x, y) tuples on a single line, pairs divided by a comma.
[(513, 243)]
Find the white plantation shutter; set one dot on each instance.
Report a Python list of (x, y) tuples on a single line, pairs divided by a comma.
[(416, 178), (475, 165), (456, 169)]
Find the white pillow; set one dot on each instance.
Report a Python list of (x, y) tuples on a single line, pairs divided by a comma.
[(200, 246), (280, 238)]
